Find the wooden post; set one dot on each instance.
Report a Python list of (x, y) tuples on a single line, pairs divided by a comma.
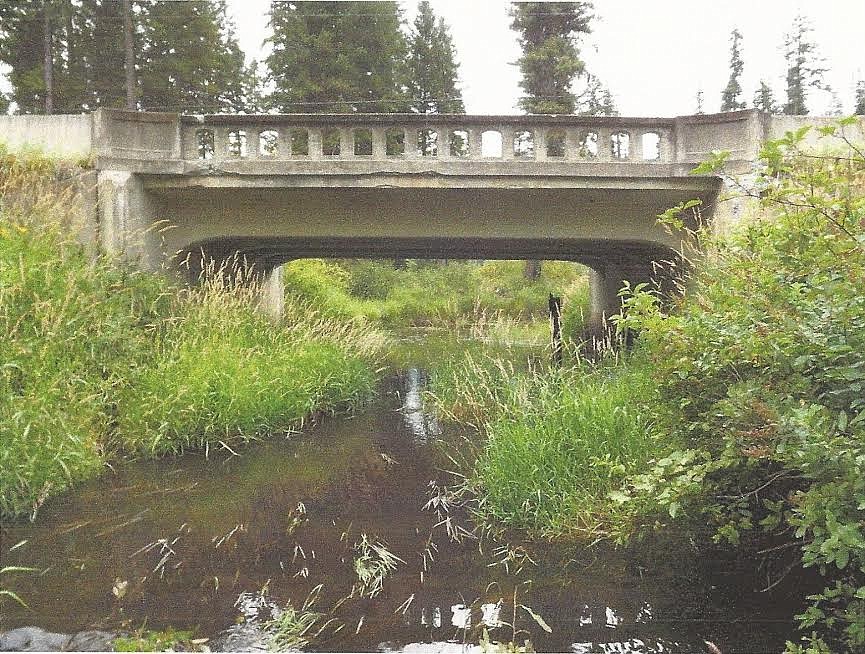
[(556, 328)]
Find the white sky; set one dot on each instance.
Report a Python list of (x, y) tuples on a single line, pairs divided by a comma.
[(653, 54)]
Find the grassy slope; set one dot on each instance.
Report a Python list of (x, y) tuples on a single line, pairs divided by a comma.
[(99, 361)]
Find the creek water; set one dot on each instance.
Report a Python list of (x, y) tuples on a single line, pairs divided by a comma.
[(219, 543)]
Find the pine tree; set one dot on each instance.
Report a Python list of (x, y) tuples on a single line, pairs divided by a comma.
[(596, 100), (804, 71), (186, 56), (337, 57), (859, 109), (549, 33), (764, 99), (189, 58), (4, 103), (432, 66), (730, 100), (698, 98)]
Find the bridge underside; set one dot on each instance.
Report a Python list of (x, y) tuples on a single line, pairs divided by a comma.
[(608, 225)]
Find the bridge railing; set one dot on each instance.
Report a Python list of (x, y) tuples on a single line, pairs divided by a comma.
[(381, 137)]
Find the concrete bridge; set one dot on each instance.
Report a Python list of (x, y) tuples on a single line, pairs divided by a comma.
[(171, 188)]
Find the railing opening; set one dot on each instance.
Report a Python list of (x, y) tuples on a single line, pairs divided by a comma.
[(299, 142), (524, 145), (555, 143), (394, 142), (268, 143), (620, 145), (427, 143), (204, 143), (651, 146), (588, 146), (491, 144), (330, 143), (459, 143), (362, 143), (237, 143)]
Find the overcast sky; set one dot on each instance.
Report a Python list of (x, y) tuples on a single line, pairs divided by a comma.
[(654, 55)]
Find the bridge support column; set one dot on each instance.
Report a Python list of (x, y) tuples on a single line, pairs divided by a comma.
[(127, 219), (272, 298), (604, 285)]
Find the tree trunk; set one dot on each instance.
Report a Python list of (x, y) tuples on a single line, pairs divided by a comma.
[(532, 270), (129, 49), (48, 62)]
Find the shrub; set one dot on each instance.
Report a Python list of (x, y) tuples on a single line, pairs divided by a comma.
[(761, 379)]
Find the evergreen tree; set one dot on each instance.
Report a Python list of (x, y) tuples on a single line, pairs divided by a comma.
[(432, 66), (185, 55), (596, 100), (4, 103), (764, 99), (804, 71), (730, 100), (189, 58), (860, 98), (549, 33), (698, 98), (337, 57)]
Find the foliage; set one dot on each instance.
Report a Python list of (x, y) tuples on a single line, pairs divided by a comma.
[(432, 66), (548, 34), (337, 57), (100, 361), (730, 100), (860, 98), (763, 399), (423, 294), (804, 67), (187, 57), (166, 640), (291, 629), (764, 99), (373, 563)]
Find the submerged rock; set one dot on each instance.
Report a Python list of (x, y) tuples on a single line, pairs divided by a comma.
[(35, 639)]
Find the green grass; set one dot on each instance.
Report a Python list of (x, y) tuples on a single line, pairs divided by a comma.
[(99, 361), (453, 294), (554, 444)]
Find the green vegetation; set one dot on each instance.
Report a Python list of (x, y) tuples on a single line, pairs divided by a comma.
[(556, 443), (167, 640), (454, 294), (760, 378), (291, 630), (99, 361), (739, 417)]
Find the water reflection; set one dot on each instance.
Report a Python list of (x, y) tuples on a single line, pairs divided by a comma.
[(422, 424)]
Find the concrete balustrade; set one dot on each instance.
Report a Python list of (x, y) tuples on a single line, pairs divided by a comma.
[(568, 133)]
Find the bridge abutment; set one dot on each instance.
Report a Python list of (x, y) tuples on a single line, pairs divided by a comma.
[(128, 219)]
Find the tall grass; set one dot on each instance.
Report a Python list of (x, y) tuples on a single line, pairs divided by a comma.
[(428, 294), (99, 361), (554, 443)]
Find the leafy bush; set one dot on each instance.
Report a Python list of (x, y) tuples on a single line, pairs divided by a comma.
[(761, 384)]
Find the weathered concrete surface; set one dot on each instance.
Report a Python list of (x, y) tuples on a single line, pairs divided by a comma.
[(61, 135)]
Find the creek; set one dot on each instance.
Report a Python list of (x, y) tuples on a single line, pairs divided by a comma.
[(218, 543)]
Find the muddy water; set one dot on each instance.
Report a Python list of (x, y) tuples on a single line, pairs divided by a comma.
[(217, 543)]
